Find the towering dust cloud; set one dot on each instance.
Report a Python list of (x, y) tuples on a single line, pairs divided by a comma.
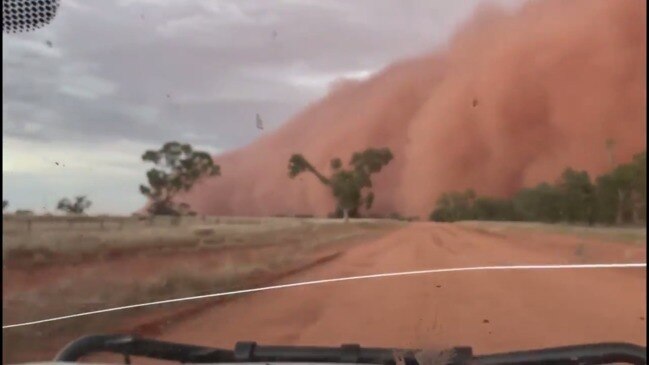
[(510, 101)]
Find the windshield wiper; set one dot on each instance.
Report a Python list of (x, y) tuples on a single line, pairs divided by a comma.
[(590, 354), (600, 353)]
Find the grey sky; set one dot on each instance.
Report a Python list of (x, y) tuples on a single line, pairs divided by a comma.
[(122, 76)]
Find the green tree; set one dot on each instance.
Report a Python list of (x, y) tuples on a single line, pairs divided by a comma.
[(639, 192), (542, 203), (621, 193), (618, 196), (579, 199), (615, 192), (76, 206), (486, 208), (607, 199), (351, 187), (177, 168), (454, 206)]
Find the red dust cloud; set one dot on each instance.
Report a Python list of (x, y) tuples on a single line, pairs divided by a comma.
[(510, 101)]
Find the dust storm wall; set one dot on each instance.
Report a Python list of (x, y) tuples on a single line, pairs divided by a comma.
[(511, 100)]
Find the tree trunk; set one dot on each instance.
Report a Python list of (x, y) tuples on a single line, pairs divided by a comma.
[(590, 217), (635, 207), (636, 216), (346, 215), (610, 144), (619, 219)]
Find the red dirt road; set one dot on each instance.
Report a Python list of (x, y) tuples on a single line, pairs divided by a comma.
[(489, 310)]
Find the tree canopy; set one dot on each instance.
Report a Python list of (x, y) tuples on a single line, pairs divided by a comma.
[(78, 205), (177, 168), (351, 186), (618, 196)]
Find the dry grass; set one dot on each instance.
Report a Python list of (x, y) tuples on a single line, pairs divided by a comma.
[(79, 269), (55, 239), (633, 235), (41, 342)]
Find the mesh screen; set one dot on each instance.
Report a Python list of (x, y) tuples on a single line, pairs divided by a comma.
[(27, 15)]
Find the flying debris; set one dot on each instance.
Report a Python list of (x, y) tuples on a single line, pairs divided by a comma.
[(49, 43), (260, 123), (274, 34)]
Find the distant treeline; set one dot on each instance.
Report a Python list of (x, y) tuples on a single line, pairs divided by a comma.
[(617, 197)]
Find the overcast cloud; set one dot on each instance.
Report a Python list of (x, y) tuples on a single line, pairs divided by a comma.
[(122, 76)]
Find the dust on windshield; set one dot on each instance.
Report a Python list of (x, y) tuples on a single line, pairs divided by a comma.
[(161, 158)]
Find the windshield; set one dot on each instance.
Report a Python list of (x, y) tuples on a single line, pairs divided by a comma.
[(160, 158)]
